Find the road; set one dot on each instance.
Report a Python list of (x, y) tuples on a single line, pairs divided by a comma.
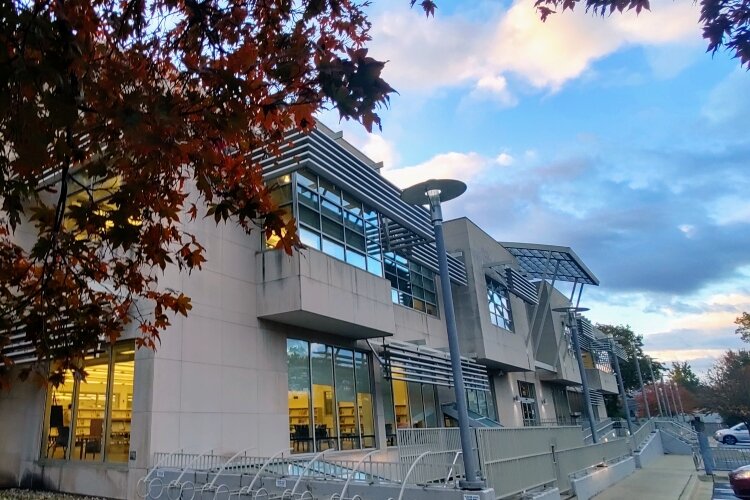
[(722, 491)]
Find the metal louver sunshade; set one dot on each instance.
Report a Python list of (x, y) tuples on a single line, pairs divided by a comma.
[(520, 286), (411, 363)]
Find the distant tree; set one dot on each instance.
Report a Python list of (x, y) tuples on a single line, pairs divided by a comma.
[(743, 326), (122, 120), (726, 23), (684, 376), (632, 344), (726, 391)]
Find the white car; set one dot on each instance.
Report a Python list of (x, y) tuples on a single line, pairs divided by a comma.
[(733, 435)]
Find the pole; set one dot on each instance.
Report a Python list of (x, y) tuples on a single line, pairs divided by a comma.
[(473, 479), (674, 401), (640, 381), (679, 397), (653, 386), (584, 378), (620, 383), (666, 397)]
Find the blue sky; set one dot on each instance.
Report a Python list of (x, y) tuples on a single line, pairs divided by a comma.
[(619, 137)]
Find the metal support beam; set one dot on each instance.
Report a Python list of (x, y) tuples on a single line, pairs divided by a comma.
[(640, 381), (616, 363)]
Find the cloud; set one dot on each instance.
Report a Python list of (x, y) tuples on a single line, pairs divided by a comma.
[(494, 88), (456, 50), (728, 102), (445, 165)]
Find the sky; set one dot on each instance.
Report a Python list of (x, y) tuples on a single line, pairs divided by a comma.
[(619, 137)]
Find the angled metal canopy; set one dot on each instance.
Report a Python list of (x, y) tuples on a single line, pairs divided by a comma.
[(550, 261)]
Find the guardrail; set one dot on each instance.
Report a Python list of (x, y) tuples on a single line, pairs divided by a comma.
[(641, 434)]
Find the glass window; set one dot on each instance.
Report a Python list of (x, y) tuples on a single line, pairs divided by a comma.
[(89, 420), (298, 375), (430, 406), (309, 217), (121, 403), (324, 396), (346, 399), (499, 304), (90, 406), (410, 280), (325, 225), (333, 248), (401, 404), (529, 413), (364, 400), (330, 398), (60, 420), (309, 238), (389, 415), (415, 404), (356, 259)]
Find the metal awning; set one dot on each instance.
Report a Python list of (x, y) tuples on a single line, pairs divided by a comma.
[(424, 365), (550, 261), (609, 345), (327, 154), (516, 282)]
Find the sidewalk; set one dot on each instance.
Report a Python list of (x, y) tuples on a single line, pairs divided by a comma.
[(671, 477)]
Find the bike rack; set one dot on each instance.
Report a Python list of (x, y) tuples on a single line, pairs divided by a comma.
[(408, 473), (248, 490), (217, 489), (302, 474), (355, 469), (453, 465), (177, 484), (142, 481)]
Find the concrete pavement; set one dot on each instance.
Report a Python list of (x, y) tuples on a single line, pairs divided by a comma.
[(671, 477)]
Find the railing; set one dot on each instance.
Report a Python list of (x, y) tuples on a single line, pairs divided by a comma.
[(640, 435), (580, 459), (726, 458), (678, 430)]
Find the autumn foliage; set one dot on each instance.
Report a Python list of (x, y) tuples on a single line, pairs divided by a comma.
[(121, 120)]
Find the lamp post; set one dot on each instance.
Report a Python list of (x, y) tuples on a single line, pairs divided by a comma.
[(654, 387), (666, 397), (640, 381), (670, 384), (679, 397), (432, 193), (571, 311)]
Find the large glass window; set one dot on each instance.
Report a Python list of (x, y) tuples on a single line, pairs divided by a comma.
[(412, 285), (414, 405), (333, 221), (89, 420), (499, 303), (336, 223), (330, 398)]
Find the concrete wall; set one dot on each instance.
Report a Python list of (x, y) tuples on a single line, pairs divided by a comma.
[(495, 346), (602, 478), (650, 451)]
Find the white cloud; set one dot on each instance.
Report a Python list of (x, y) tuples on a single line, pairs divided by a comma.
[(425, 55), (494, 88), (687, 229), (465, 166), (729, 100), (377, 148), (504, 159)]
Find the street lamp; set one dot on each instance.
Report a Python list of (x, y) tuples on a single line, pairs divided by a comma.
[(432, 193), (571, 312), (654, 387), (640, 381)]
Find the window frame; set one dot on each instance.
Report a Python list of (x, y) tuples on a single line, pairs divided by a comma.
[(74, 414), (503, 309)]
